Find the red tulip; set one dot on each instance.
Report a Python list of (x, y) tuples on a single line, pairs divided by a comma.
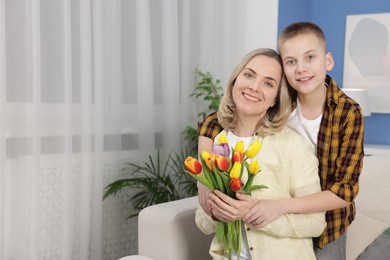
[(221, 162), (193, 165), (238, 157), (235, 184)]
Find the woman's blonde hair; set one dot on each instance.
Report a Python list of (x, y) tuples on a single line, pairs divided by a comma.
[(276, 116)]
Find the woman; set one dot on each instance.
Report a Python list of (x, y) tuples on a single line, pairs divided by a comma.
[(256, 105)]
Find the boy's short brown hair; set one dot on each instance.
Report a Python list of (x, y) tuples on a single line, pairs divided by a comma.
[(299, 28)]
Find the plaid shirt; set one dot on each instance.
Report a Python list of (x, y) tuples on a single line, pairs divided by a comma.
[(340, 154)]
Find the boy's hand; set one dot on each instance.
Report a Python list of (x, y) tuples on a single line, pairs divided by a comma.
[(263, 213), (204, 144), (203, 198)]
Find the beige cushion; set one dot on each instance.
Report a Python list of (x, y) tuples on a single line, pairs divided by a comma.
[(374, 193), (373, 214), (362, 232), (378, 250)]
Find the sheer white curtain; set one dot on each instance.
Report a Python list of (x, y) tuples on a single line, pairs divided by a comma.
[(86, 85)]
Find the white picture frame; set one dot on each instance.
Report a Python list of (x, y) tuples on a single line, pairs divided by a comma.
[(367, 58)]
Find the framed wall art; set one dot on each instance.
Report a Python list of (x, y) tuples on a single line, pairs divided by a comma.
[(367, 58)]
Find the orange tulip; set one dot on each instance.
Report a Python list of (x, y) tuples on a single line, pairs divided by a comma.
[(238, 156), (193, 165), (221, 162), (235, 184)]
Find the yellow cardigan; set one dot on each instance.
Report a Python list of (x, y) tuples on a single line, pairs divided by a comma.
[(290, 169)]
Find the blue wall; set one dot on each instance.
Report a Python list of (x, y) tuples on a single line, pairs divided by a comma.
[(331, 15)]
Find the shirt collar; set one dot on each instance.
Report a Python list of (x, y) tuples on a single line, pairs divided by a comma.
[(333, 93)]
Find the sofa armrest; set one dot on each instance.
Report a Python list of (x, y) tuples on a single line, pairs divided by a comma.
[(135, 257), (167, 231)]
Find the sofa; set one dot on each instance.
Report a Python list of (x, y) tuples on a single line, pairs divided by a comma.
[(168, 232)]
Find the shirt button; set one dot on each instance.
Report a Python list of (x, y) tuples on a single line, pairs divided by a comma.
[(248, 229), (251, 248)]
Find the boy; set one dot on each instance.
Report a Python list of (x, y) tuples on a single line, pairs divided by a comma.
[(330, 121)]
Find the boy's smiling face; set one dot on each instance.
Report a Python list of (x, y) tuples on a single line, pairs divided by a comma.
[(306, 62)]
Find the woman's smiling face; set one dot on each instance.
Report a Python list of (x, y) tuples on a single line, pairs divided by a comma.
[(256, 87)]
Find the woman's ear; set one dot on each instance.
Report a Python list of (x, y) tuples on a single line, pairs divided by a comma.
[(329, 61)]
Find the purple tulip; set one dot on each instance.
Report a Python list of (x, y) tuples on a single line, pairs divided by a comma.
[(222, 149)]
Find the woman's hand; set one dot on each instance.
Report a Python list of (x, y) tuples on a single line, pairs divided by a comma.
[(227, 209)]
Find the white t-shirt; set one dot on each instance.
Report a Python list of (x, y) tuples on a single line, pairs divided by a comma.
[(234, 139), (305, 127)]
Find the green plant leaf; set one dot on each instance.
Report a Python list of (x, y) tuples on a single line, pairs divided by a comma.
[(154, 181), (221, 232), (256, 187), (210, 91)]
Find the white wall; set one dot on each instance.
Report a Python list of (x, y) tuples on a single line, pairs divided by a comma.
[(242, 27)]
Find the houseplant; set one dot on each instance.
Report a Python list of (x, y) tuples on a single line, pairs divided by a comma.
[(210, 91), (156, 181)]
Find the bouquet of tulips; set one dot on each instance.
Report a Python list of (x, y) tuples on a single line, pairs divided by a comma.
[(223, 170)]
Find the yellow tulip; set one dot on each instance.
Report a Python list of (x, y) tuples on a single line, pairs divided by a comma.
[(205, 155), (208, 159), (239, 147), (222, 139), (235, 172), (253, 149), (254, 167)]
